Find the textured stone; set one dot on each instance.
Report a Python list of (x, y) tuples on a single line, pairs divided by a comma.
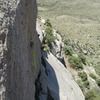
[(61, 84), (20, 51), (43, 81)]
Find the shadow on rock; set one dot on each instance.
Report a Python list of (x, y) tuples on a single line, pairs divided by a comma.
[(53, 86)]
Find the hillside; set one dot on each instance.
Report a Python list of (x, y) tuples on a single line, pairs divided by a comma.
[(79, 21)]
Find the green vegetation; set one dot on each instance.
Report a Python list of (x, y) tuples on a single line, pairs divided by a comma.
[(98, 82), (49, 33), (66, 42), (93, 94), (68, 51), (83, 76), (84, 79), (45, 47), (48, 30), (76, 20), (80, 84), (86, 84), (97, 93), (48, 23), (49, 36), (79, 23), (90, 95), (97, 67), (92, 76), (83, 58), (75, 62)]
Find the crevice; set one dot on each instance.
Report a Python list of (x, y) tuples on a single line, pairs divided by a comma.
[(62, 61), (38, 87), (49, 96), (41, 89), (44, 64)]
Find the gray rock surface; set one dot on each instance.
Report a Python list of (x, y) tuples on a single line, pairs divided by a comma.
[(61, 84), (20, 56), (40, 33), (58, 46), (43, 80)]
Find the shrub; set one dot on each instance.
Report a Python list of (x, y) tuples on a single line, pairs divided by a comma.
[(86, 84), (45, 47), (97, 68), (92, 76), (83, 58), (98, 82), (75, 62), (49, 30), (48, 23), (49, 36), (97, 93), (83, 76), (68, 51), (66, 42), (89, 95)]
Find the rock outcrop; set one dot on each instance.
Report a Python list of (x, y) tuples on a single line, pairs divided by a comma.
[(20, 56), (22, 76), (60, 82)]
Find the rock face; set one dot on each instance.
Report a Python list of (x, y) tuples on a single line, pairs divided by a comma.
[(20, 56), (58, 46), (22, 77), (60, 83)]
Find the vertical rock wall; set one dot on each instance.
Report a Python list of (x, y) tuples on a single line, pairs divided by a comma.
[(19, 47)]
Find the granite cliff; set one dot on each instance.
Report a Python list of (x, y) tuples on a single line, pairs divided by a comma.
[(22, 75), (19, 61)]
